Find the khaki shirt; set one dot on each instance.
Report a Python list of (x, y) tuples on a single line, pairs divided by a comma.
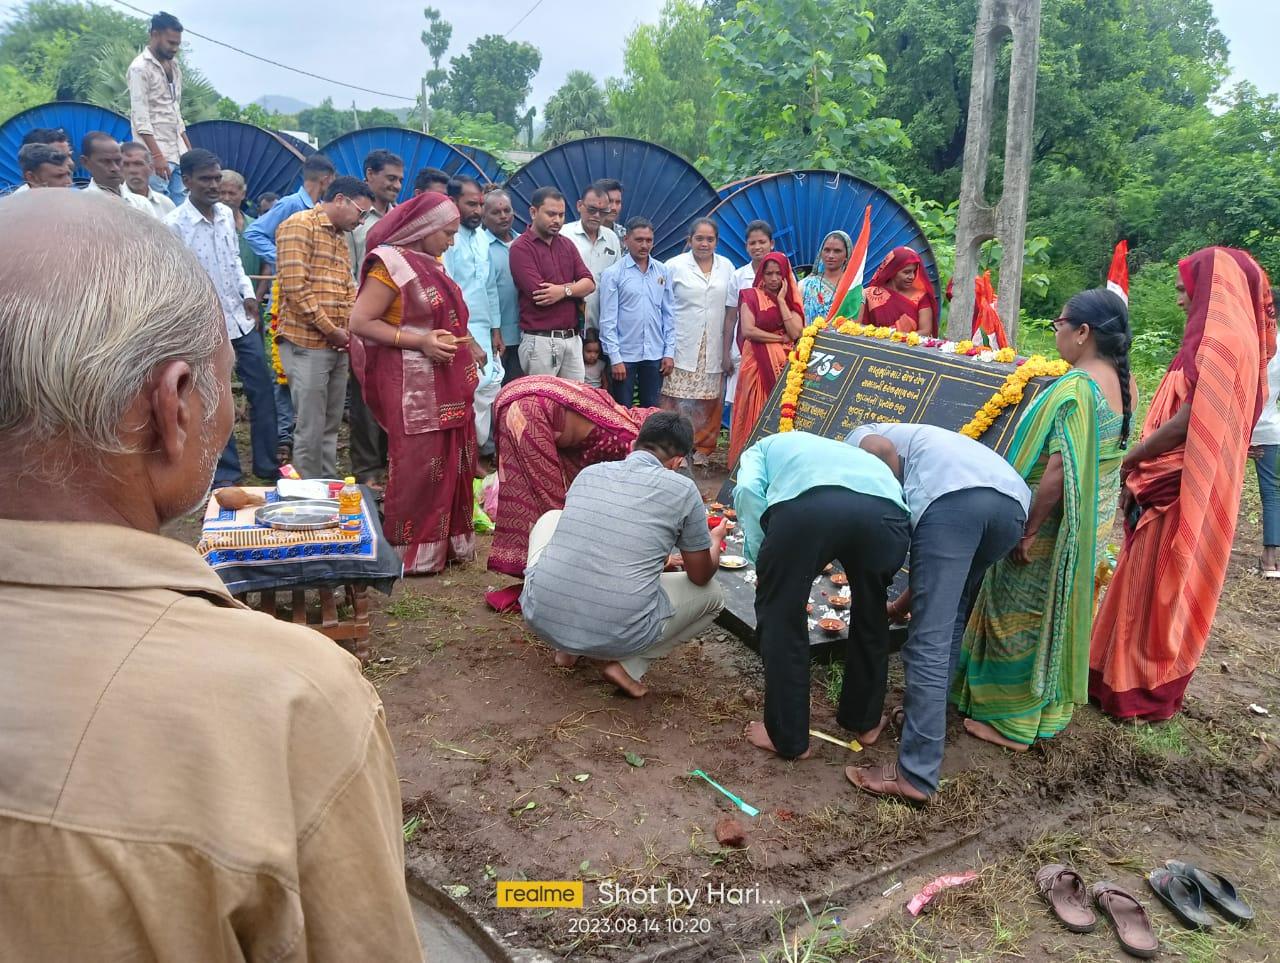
[(182, 778), (155, 105)]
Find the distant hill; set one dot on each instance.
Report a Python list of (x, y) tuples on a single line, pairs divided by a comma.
[(281, 104)]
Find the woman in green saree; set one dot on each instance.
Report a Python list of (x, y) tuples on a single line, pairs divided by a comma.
[(1024, 664)]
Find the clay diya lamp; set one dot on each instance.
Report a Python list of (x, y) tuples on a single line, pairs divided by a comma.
[(839, 578), (838, 601), (715, 508), (730, 514), (831, 626)]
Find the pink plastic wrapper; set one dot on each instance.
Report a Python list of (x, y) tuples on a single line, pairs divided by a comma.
[(926, 895)]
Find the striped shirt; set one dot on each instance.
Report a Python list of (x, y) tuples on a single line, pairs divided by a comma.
[(595, 590), (314, 269)]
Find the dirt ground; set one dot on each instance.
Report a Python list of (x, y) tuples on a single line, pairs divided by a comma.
[(512, 768)]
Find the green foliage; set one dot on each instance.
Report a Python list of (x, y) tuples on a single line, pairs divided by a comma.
[(81, 51), (665, 94), (577, 109), (477, 130), (326, 122), (492, 77), (1156, 322), (797, 88)]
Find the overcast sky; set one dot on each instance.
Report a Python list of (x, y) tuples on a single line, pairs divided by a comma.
[(572, 34)]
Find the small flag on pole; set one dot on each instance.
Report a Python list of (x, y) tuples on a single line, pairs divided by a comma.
[(1118, 276), (988, 329), (847, 301)]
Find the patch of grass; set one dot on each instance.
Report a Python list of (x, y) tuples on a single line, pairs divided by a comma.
[(835, 682), (411, 827), (819, 939), (410, 606), (1201, 946), (1160, 740)]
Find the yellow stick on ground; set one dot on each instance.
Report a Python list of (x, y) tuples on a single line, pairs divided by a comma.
[(852, 745)]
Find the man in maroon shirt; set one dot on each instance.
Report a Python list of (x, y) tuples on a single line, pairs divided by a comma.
[(551, 280)]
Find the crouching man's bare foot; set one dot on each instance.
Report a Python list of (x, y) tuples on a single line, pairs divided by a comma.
[(872, 736), (615, 673), (565, 660), (758, 736), (884, 781), (990, 734)]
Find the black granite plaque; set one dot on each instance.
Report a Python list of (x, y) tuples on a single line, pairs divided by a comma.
[(854, 380)]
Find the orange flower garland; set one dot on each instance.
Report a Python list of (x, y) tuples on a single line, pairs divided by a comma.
[(1010, 393)]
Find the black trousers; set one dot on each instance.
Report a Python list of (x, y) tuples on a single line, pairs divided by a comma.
[(368, 440), (869, 536)]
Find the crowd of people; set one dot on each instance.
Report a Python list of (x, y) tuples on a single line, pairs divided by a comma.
[(591, 373)]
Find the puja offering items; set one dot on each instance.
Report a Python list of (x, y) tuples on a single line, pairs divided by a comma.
[(831, 626), (732, 561), (839, 578), (234, 498), (299, 516), (838, 601)]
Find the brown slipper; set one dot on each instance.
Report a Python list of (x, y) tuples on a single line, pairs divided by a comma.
[(1064, 890), (1133, 926), (888, 776)]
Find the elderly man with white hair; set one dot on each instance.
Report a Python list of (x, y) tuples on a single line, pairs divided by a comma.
[(182, 778)]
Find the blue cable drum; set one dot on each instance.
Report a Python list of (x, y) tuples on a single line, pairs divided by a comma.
[(416, 149), (265, 161), (75, 118), (727, 189), (297, 143), (805, 206), (657, 184), (491, 166)]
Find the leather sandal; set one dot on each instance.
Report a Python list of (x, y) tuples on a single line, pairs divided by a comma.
[(1182, 895), (889, 773), (1132, 925), (1064, 890), (1219, 892)]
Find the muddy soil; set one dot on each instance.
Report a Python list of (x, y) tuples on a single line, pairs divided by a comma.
[(512, 768)]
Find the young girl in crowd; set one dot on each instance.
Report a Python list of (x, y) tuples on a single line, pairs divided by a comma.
[(597, 374)]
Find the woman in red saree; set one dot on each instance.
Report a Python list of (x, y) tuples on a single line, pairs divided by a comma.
[(901, 295), (770, 319), (416, 364), (546, 431), (1182, 491)]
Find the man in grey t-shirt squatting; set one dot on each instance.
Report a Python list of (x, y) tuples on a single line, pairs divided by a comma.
[(595, 584)]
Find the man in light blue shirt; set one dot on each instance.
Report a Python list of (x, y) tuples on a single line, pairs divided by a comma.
[(968, 509), (468, 264), (497, 217), (318, 173), (804, 501), (637, 319)]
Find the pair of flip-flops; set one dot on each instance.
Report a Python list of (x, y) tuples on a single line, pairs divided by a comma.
[(1069, 900), (1187, 889)]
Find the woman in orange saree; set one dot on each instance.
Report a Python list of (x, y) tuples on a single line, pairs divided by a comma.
[(770, 319), (901, 295), (416, 364), (1181, 491), (547, 430)]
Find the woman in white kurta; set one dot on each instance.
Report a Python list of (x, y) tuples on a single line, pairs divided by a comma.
[(700, 283)]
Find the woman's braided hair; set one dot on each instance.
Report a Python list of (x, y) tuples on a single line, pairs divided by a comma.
[(1107, 316)]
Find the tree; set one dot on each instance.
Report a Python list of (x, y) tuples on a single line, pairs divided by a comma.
[(492, 77), (475, 130), (665, 94), (436, 39), (78, 51), (326, 122), (577, 109), (378, 117), (797, 88)]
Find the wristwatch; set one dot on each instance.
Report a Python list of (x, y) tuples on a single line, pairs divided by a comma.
[(568, 290)]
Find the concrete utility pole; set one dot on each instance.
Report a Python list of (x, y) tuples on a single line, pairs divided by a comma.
[(979, 221)]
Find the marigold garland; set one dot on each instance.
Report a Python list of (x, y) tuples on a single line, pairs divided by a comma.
[(1009, 393), (271, 325)]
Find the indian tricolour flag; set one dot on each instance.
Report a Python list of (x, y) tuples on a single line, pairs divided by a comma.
[(847, 301), (1118, 276)]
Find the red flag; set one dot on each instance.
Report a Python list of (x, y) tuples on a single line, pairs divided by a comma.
[(988, 329), (1118, 276)]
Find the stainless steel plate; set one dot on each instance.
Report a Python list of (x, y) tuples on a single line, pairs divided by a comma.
[(307, 515)]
